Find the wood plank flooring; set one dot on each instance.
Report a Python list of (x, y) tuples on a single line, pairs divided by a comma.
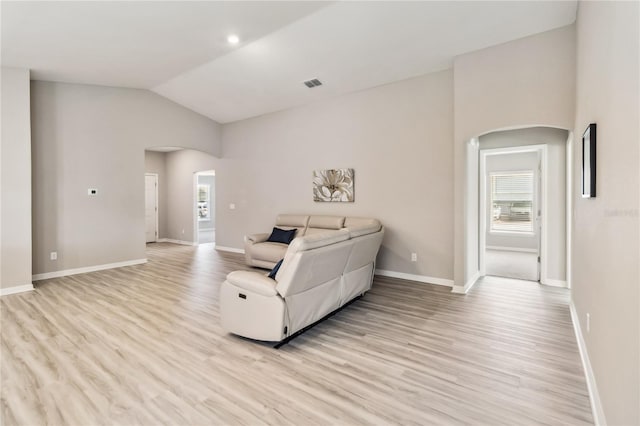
[(143, 345)]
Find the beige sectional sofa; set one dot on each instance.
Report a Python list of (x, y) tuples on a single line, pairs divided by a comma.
[(263, 254), (325, 267)]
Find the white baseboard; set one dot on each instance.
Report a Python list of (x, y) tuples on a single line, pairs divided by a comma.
[(16, 289), (554, 283), (172, 241), (84, 270), (594, 396), (413, 277), (523, 250), (230, 249), (459, 289)]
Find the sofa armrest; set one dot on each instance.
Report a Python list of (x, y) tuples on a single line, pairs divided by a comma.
[(254, 282), (257, 238)]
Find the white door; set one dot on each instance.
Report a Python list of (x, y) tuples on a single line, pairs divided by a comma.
[(151, 207)]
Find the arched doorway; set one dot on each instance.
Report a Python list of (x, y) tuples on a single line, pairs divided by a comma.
[(554, 246)]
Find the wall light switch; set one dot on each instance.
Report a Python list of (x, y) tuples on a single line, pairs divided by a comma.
[(232, 206), (92, 192), (54, 255)]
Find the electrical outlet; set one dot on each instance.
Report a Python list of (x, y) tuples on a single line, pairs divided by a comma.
[(92, 192), (588, 322), (232, 206), (182, 231), (414, 257), (54, 255)]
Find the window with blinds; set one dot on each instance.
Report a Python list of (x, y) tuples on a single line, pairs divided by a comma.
[(512, 201), (204, 199)]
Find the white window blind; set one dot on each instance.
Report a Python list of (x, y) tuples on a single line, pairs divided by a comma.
[(204, 200), (512, 201)]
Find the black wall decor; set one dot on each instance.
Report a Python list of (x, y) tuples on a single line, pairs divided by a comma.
[(589, 162)]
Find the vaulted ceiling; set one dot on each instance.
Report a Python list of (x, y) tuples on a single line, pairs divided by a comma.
[(179, 49)]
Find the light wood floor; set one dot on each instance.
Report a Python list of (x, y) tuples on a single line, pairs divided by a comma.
[(143, 345)]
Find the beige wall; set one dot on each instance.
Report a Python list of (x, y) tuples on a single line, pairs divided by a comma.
[(94, 137), (155, 162), (525, 82), (397, 137), (15, 180), (605, 234), (556, 142), (181, 168)]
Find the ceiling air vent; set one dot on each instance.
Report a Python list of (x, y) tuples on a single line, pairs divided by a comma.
[(313, 83)]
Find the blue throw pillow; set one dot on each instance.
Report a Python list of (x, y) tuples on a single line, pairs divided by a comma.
[(274, 271), (281, 236)]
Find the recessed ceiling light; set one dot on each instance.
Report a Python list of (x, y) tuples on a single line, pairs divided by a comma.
[(233, 39)]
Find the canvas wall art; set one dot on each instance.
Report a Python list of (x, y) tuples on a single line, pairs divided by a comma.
[(333, 185)]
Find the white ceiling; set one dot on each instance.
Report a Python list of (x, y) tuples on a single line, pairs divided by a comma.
[(178, 49), (132, 44)]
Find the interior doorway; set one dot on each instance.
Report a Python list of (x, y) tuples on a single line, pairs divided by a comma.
[(151, 207), (511, 210), (555, 205), (205, 206)]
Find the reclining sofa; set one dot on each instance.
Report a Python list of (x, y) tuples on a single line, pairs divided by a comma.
[(265, 254), (323, 269)]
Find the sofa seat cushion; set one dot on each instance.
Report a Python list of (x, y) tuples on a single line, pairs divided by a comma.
[(271, 252)]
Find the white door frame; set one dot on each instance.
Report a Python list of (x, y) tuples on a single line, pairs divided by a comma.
[(569, 204), (194, 212), (543, 204), (157, 204)]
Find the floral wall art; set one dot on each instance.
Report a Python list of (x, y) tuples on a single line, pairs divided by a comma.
[(333, 185)]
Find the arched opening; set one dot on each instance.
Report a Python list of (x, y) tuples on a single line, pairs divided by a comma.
[(545, 214)]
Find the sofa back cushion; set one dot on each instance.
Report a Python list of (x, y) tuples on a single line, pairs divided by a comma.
[(320, 239), (358, 226), (293, 221), (365, 250), (312, 260), (321, 224)]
